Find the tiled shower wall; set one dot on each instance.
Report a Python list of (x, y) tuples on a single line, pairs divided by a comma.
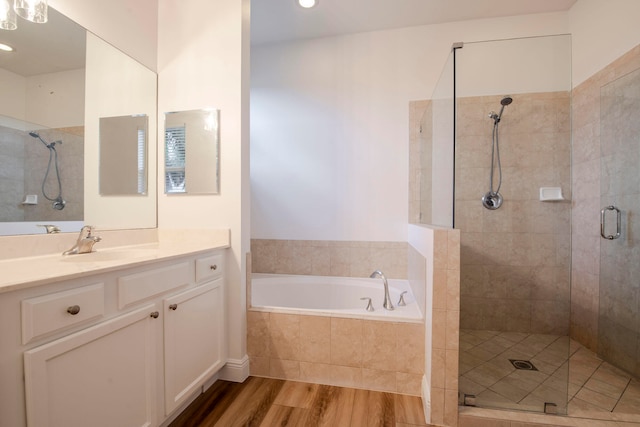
[(585, 286), (27, 165), (515, 261)]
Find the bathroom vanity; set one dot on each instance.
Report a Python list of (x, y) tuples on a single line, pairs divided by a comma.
[(119, 337)]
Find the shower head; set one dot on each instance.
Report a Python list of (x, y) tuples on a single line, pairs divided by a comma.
[(506, 100), (35, 134)]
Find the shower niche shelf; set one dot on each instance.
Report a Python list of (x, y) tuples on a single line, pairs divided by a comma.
[(551, 194)]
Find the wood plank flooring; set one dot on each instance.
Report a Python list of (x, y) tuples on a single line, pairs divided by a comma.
[(264, 402)]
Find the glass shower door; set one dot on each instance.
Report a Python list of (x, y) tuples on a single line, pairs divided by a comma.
[(619, 321)]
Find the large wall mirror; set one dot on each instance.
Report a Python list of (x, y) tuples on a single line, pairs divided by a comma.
[(55, 86), (191, 152)]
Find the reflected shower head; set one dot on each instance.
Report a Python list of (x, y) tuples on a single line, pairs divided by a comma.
[(35, 134), (506, 100)]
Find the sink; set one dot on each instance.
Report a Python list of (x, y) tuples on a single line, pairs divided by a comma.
[(111, 255)]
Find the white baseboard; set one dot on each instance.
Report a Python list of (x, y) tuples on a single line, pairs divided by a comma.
[(426, 399), (236, 370)]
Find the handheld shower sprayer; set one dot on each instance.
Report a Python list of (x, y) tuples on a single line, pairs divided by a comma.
[(58, 202), (493, 199)]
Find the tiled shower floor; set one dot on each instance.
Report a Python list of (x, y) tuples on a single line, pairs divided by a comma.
[(595, 386)]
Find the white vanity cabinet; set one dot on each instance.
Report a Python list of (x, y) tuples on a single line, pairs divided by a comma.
[(126, 347), (102, 376)]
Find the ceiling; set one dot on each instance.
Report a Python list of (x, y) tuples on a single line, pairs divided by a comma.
[(57, 45), (283, 20)]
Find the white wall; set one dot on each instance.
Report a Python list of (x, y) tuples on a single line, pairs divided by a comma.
[(132, 26), (602, 31), (56, 99), (329, 131), (13, 86), (203, 62)]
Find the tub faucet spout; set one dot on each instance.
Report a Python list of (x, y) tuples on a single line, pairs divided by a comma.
[(387, 300)]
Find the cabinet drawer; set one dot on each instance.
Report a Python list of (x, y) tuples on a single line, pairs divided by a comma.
[(147, 284), (48, 313), (209, 267)]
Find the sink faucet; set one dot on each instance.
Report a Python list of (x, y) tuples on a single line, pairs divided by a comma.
[(387, 301), (51, 229), (85, 242)]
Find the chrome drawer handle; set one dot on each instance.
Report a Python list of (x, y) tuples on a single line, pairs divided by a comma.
[(173, 307), (213, 267), (73, 310), (618, 223)]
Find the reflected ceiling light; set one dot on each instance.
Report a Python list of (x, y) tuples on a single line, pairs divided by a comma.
[(307, 4), (7, 15), (32, 10), (6, 47)]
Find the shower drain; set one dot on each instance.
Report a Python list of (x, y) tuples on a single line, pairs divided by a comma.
[(525, 365)]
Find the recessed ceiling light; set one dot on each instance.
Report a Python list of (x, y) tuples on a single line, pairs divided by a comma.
[(6, 47), (307, 4)]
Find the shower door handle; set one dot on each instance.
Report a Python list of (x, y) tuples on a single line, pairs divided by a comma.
[(618, 222)]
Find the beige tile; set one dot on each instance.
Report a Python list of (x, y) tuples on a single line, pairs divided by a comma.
[(437, 406), (439, 325), (284, 369), (315, 339), (258, 337), (410, 384), (438, 368), (409, 351), (285, 333), (346, 342), (315, 372), (451, 370), (379, 380), (378, 345), (451, 407), (259, 366), (346, 376), (453, 290), (439, 300)]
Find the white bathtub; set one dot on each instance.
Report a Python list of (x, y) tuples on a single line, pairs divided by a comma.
[(331, 296)]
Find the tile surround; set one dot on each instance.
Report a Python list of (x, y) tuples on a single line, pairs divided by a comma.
[(329, 258), (369, 354)]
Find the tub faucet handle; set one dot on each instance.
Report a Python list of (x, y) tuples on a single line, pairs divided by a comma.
[(369, 305), (401, 301)]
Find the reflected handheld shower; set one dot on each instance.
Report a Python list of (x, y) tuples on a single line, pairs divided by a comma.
[(58, 202)]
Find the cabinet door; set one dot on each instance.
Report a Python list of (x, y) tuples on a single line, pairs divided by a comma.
[(102, 376), (194, 347)]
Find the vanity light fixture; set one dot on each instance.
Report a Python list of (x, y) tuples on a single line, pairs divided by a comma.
[(7, 15), (6, 47), (308, 4), (32, 10)]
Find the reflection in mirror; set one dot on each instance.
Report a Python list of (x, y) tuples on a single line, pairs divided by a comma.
[(123, 155), (42, 85), (39, 169), (191, 152), (64, 78)]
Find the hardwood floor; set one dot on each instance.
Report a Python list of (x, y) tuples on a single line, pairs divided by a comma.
[(264, 402)]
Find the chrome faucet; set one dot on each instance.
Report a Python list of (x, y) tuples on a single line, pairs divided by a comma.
[(85, 242), (387, 301), (51, 229)]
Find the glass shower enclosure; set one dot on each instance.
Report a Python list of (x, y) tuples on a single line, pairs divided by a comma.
[(511, 102)]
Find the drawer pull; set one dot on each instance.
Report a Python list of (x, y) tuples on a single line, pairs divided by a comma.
[(73, 310), (214, 267), (154, 314), (173, 307)]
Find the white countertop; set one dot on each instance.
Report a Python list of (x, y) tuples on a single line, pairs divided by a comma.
[(24, 272)]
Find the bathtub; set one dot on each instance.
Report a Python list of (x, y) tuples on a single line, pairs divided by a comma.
[(332, 296)]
